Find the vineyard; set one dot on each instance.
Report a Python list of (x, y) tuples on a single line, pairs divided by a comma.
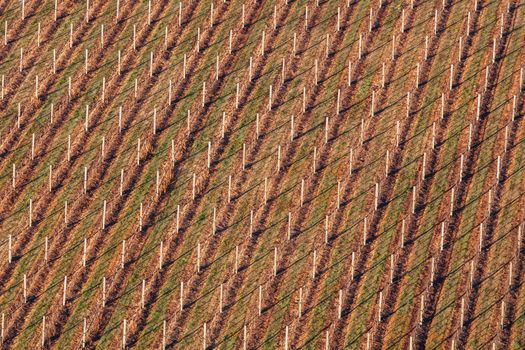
[(261, 174)]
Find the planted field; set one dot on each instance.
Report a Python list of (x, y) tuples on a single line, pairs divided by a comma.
[(262, 174)]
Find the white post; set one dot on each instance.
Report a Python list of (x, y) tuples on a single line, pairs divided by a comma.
[(10, 248), (275, 261), (24, 283), (104, 215), (365, 221), (300, 305), (380, 306), (64, 294), (143, 290), (84, 253), (340, 306), (181, 296), (30, 212), (393, 55), (124, 331), (43, 331), (123, 254), (259, 303), (314, 264), (352, 266), (349, 73)]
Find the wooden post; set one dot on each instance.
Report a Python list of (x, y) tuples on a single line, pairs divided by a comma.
[(65, 213), (338, 194), (138, 151), (300, 304), (403, 225), (426, 48), (265, 190), (383, 75), (85, 179), (314, 264), (294, 51), (46, 245), (360, 46), (392, 267), (510, 274), (372, 105), (417, 75), (376, 196), (278, 158), (393, 55), (402, 20), (270, 99), (263, 36), (462, 316), (349, 73), (10, 248), (71, 35), (414, 199), (352, 267), (291, 127), (140, 216), (164, 326), (84, 330), (86, 126), (494, 50), (181, 296), (350, 161), (180, 13), (326, 229), (424, 165), (220, 298), (480, 237), (328, 44), (229, 188), (365, 221), (237, 96), (21, 59), (123, 254), (514, 107), (259, 302), (121, 181), (24, 283), (435, 21), (478, 109), (433, 135), (84, 253), (432, 271), (151, 64), (326, 130), (236, 265), (198, 262), (143, 290), (452, 201), (274, 261), (177, 219), (103, 147), (33, 146), (274, 17), (340, 305), (243, 22), (442, 242), (102, 35), (251, 223), (314, 166)]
